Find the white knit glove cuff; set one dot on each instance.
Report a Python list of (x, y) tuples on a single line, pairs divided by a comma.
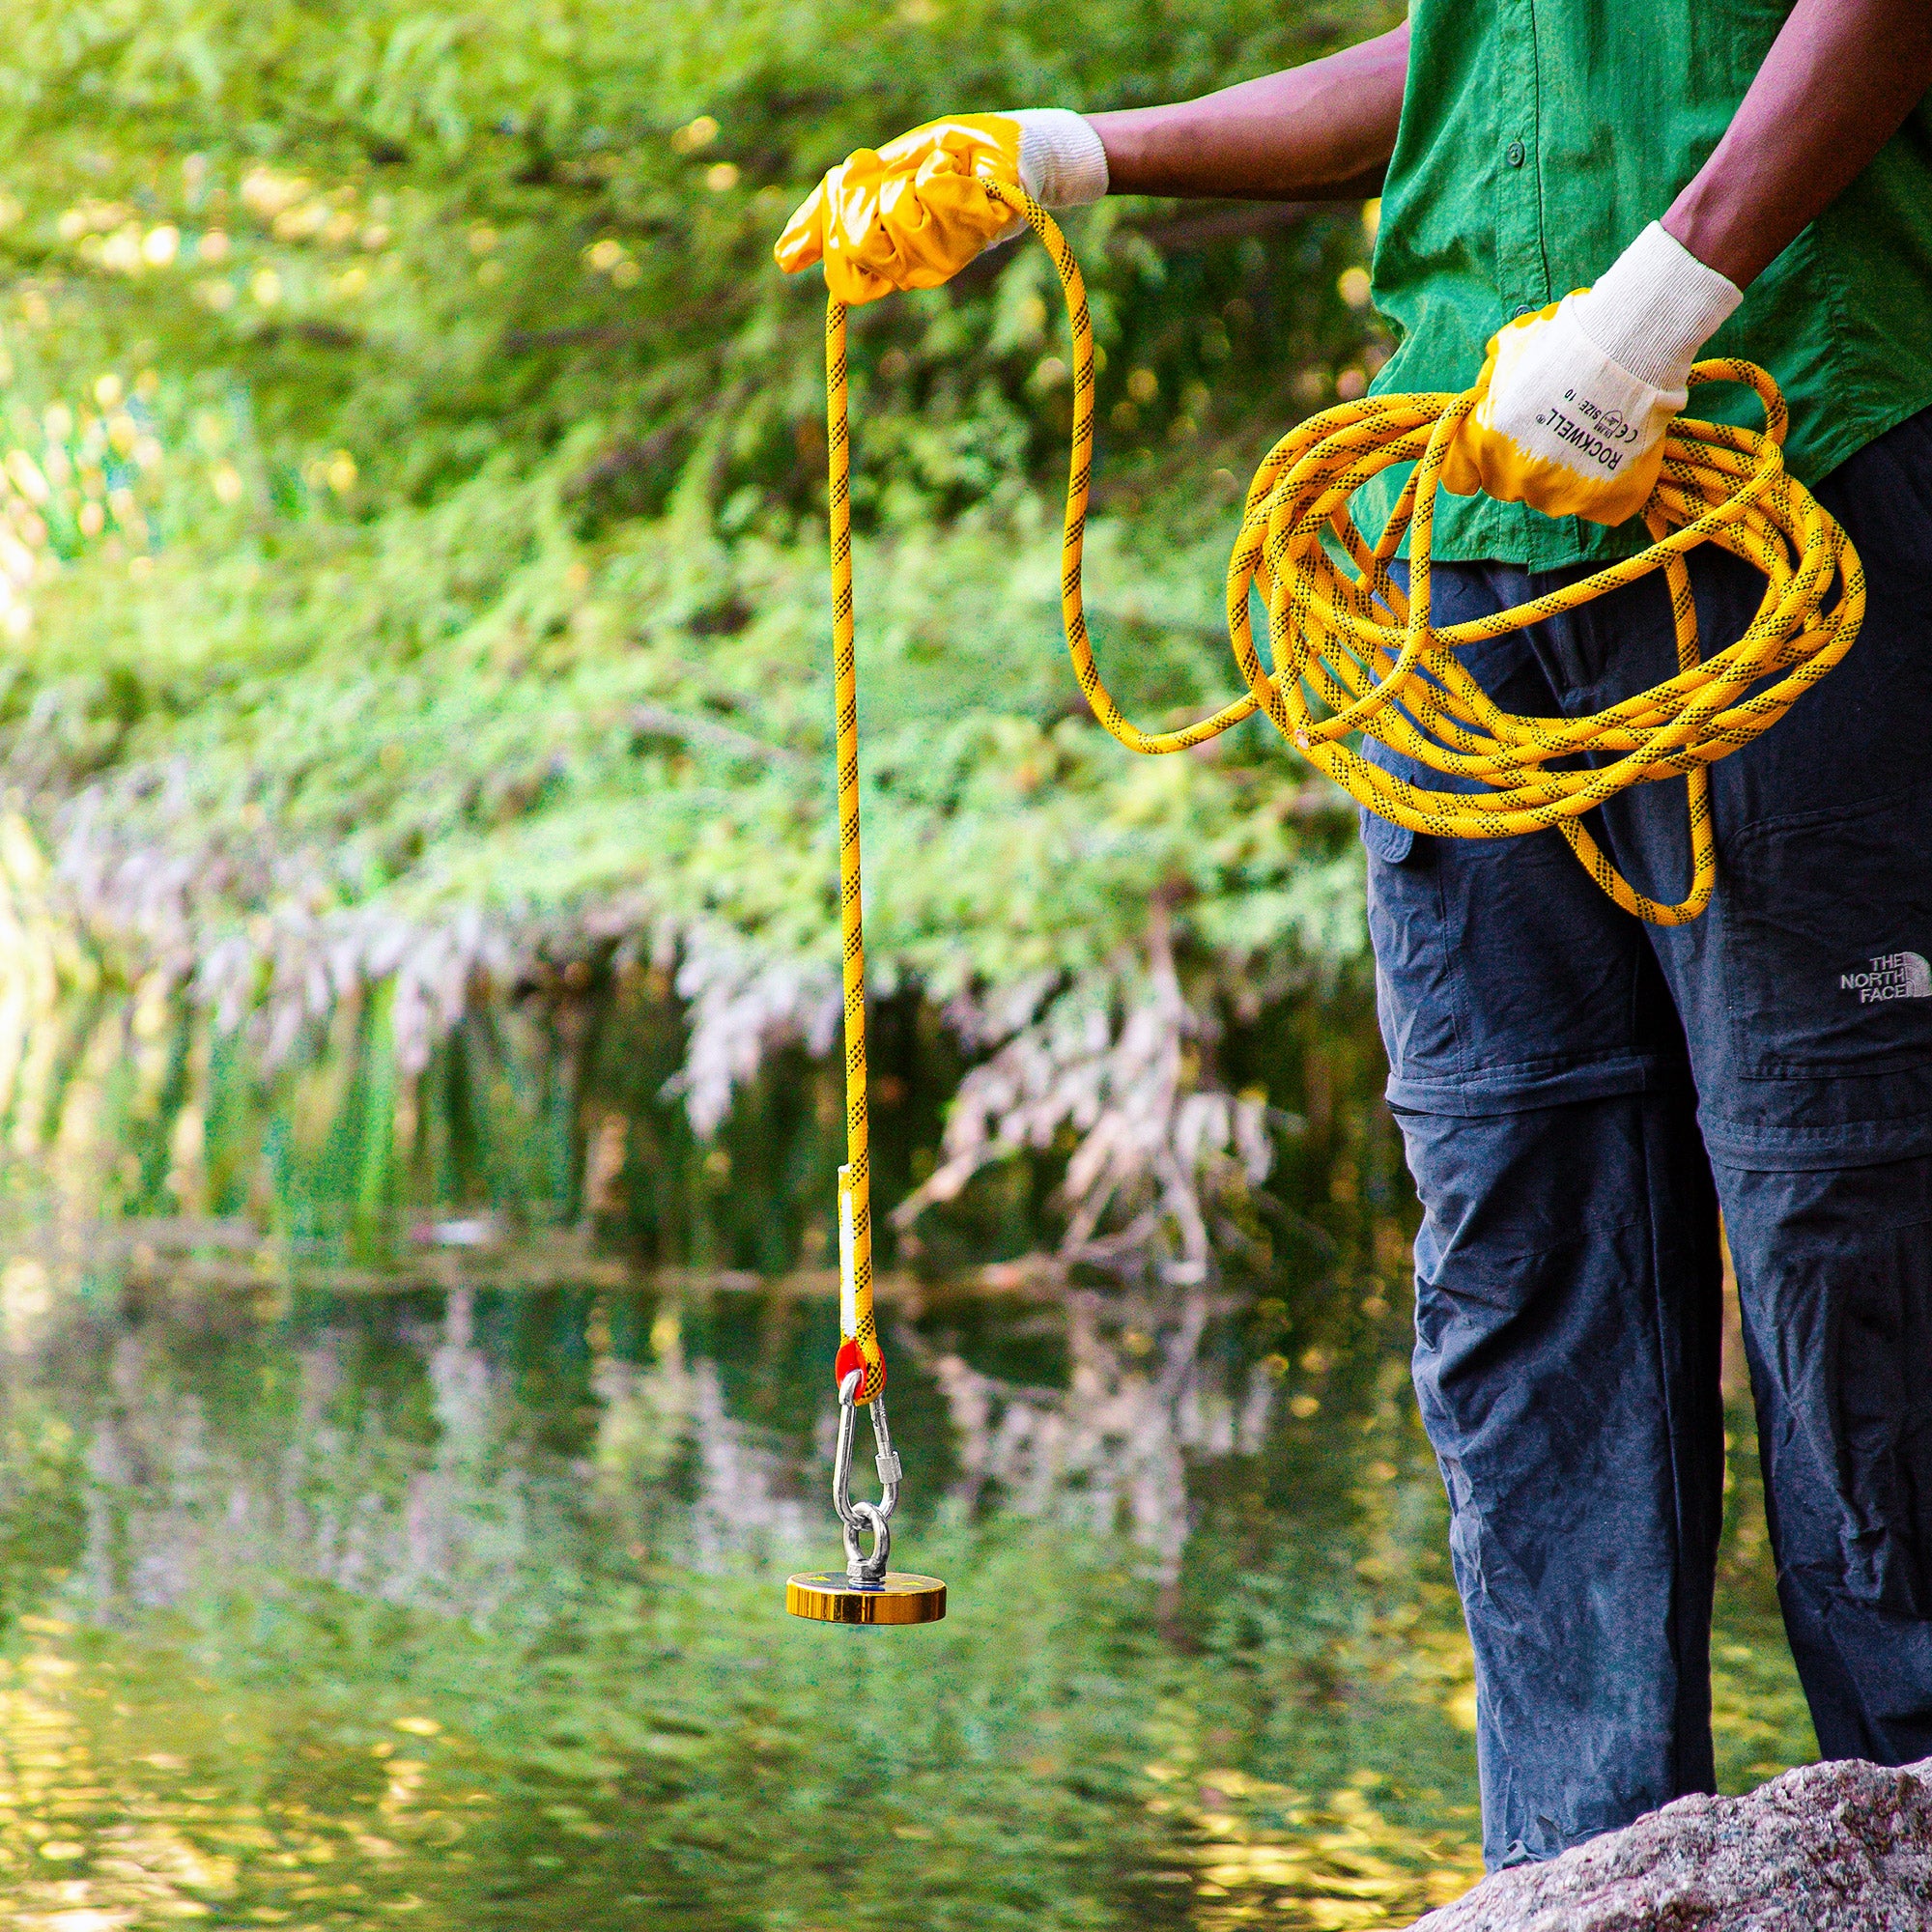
[(1062, 162), (1655, 307)]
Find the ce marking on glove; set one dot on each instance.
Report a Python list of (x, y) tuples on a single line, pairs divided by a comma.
[(1597, 436), (1610, 423)]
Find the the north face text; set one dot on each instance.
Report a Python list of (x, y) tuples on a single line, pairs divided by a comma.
[(1890, 975)]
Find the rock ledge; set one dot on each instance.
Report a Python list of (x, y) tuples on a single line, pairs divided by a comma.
[(1841, 1847)]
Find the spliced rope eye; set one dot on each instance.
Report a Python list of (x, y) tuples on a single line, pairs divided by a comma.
[(1353, 652)]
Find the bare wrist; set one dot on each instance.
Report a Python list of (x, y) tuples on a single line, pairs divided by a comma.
[(1124, 134), (1702, 220)]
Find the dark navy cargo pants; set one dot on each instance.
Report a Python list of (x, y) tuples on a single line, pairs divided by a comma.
[(1581, 1094)]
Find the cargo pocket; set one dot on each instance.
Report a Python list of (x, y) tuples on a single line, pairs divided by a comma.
[(1418, 989), (1827, 926), (1835, 1274), (1878, 1444)]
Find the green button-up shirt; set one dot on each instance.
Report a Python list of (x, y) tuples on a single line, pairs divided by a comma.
[(1538, 137)]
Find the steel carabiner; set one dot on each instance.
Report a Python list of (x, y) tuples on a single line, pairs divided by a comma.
[(873, 1518)]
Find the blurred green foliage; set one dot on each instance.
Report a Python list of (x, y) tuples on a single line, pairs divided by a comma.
[(427, 473)]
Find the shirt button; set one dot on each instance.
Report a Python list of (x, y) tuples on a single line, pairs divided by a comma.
[(1520, 310), (1514, 153)]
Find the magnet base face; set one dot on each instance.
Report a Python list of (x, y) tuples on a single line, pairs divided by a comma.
[(902, 1598)]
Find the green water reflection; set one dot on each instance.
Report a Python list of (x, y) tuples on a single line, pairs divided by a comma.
[(463, 1608)]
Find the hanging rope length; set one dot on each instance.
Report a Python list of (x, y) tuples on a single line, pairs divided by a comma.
[(1354, 653)]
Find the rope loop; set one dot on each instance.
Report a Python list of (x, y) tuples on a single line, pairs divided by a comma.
[(1352, 655)]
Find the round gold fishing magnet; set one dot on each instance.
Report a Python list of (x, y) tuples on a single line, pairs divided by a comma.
[(901, 1597)]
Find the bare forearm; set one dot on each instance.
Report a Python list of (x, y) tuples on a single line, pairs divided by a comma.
[(1838, 82), (1323, 132)]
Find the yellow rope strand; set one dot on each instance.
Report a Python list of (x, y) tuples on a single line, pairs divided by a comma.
[(1352, 653), (854, 1179)]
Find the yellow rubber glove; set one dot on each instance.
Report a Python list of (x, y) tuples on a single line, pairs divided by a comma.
[(1576, 399), (913, 214)]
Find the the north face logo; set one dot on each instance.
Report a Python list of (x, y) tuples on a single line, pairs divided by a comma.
[(1891, 976)]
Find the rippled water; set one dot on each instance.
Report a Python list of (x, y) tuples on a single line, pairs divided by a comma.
[(462, 1606)]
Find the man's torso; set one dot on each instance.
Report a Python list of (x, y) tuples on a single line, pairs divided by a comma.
[(1539, 136)]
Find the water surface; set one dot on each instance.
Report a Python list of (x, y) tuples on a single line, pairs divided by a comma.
[(457, 1601)]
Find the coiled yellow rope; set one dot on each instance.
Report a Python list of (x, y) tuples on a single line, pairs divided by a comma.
[(1352, 653)]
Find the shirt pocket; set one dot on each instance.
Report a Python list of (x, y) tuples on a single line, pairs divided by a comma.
[(1826, 926)]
